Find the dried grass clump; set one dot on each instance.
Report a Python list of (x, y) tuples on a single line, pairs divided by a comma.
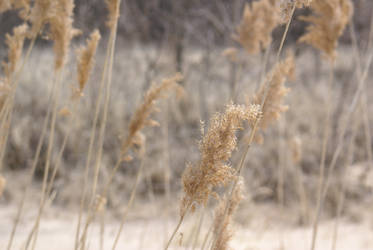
[(15, 46), (2, 185), (86, 60), (223, 217), (141, 119), (258, 22), (41, 11), (61, 30), (216, 148), (274, 92), (327, 24), (113, 7), (24, 5)]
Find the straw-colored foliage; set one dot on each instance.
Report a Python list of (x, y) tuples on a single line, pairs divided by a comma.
[(327, 24), (15, 46), (86, 60), (216, 147), (140, 118), (273, 91), (23, 5), (254, 33), (113, 7)]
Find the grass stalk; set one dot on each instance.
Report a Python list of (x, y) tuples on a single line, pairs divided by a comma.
[(108, 67), (341, 198), (252, 134), (35, 229), (344, 126), (130, 202), (326, 132), (6, 112), (90, 146)]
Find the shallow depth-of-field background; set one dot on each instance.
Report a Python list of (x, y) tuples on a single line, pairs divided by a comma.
[(155, 39)]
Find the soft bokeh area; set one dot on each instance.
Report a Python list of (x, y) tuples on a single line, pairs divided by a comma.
[(193, 125)]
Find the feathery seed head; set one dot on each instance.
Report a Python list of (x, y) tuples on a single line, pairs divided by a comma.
[(86, 60), (113, 7), (62, 31), (140, 118), (15, 47), (216, 149), (23, 5), (271, 94), (327, 24), (41, 11), (258, 22)]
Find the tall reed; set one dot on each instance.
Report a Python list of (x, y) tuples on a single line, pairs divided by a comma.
[(327, 25), (113, 16), (213, 168)]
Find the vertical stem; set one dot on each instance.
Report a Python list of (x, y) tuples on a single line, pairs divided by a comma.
[(323, 156), (350, 157), (90, 147), (175, 231), (252, 134), (130, 202), (34, 232)]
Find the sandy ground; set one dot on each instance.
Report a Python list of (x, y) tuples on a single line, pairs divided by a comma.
[(58, 229)]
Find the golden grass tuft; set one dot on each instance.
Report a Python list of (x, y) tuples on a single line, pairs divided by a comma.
[(23, 5), (113, 8), (223, 218), (140, 118), (255, 30), (86, 60), (61, 30), (15, 46), (327, 24), (216, 148), (273, 91), (39, 15), (2, 185)]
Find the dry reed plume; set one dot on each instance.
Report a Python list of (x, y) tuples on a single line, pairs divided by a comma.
[(2, 185), (255, 30), (140, 118), (61, 30), (86, 60), (223, 219), (15, 46), (41, 11), (23, 5), (216, 148), (272, 93), (8, 83), (327, 24), (113, 8)]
